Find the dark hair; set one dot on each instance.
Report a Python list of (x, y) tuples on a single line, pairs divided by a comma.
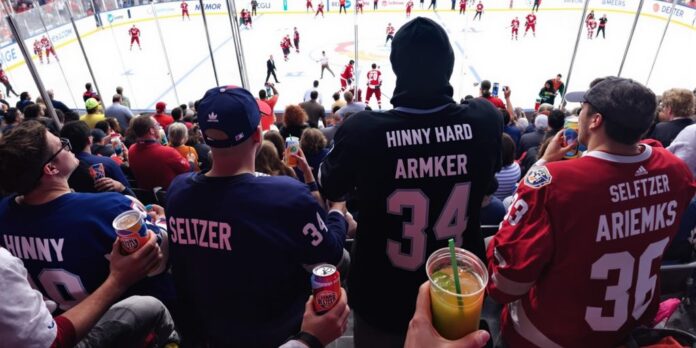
[(113, 123), (22, 155), (486, 88), (374, 66), (103, 125), (141, 125), (32, 112), (313, 95), (506, 116), (268, 162), (508, 150), (262, 95), (351, 62), (78, 133), (60, 115), (11, 115), (335, 109), (277, 140), (176, 113), (556, 120), (336, 96), (618, 132), (119, 90), (312, 141), (315, 83), (72, 116), (88, 86)]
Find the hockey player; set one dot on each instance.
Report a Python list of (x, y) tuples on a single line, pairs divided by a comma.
[(48, 48), (309, 5), (360, 5), (320, 9), (38, 50), (342, 6), (591, 25), (536, 5), (184, 10), (530, 24), (390, 33), (374, 83), (462, 7), (134, 33), (590, 16), (254, 6), (515, 25), (602, 26), (296, 40), (6, 81), (347, 75), (409, 7), (479, 11), (285, 46)]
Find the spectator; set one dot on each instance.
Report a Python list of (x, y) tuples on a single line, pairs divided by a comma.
[(509, 174), (124, 100), (222, 311), (26, 320), (202, 150), (278, 142), (36, 165), (58, 105), (313, 145), (89, 93), (492, 208), (79, 135), (557, 85), (529, 140), (267, 119), (684, 147), (510, 128), (178, 136), (338, 102), (676, 109), (351, 106), (71, 116), (12, 119), (104, 126), (370, 158), (93, 115), (152, 164), (118, 111), (268, 162), (99, 144), (24, 100), (177, 114), (314, 110), (485, 91), (294, 121), (315, 88), (543, 258), (547, 95), (115, 127), (161, 117), (3, 101), (556, 122), (33, 112)]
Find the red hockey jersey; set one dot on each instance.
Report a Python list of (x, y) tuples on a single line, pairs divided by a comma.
[(347, 72), (374, 78), (134, 32), (515, 24), (531, 20), (577, 256), (46, 43)]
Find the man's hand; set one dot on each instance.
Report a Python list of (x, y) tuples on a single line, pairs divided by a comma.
[(352, 225), (155, 211), (341, 206), (556, 149), (506, 92), (330, 325), (421, 332), (108, 184), (304, 166), (128, 269)]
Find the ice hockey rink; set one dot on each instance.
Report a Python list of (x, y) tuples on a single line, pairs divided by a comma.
[(483, 50)]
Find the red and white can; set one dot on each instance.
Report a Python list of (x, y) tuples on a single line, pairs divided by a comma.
[(326, 286)]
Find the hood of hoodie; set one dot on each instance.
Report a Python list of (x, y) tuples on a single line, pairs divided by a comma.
[(422, 59)]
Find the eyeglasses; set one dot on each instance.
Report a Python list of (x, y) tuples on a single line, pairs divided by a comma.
[(64, 144)]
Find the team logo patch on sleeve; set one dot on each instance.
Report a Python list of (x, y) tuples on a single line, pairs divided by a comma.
[(538, 177)]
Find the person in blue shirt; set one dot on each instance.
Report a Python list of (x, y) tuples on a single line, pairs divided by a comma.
[(78, 133), (63, 238), (243, 244)]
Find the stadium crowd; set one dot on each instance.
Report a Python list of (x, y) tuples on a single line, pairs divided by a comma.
[(237, 220)]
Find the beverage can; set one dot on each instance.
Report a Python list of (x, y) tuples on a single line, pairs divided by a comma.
[(96, 171), (326, 286), (131, 231), (116, 144), (292, 147), (570, 136)]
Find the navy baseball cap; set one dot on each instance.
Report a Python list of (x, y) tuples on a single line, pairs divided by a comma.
[(228, 115)]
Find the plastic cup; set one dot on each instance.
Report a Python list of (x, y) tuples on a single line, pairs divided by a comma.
[(292, 147), (456, 315)]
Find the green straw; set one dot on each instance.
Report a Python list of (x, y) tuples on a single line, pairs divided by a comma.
[(455, 272)]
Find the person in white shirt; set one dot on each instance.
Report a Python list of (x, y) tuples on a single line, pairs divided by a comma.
[(324, 60), (315, 87)]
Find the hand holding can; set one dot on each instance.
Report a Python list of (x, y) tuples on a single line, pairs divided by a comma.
[(326, 286), (96, 171)]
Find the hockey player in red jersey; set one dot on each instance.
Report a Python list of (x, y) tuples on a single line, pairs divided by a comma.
[(347, 75), (515, 25), (590, 244), (134, 33), (360, 5), (479, 11), (285, 46), (409, 7), (390, 33), (320, 9), (296, 40), (591, 25), (462, 7), (5, 80), (342, 6), (309, 5), (590, 16), (38, 50), (48, 48), (374, 84), (184, 10), (530, 24)]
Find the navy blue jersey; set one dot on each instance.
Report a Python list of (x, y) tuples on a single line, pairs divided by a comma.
[(419, 179), (64, 245), (238, 246)]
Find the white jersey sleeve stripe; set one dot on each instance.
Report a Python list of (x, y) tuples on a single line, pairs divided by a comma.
[(526, 328), (510, 287)]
